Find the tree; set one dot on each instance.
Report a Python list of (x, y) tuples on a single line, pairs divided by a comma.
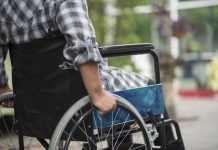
[(129, 28)]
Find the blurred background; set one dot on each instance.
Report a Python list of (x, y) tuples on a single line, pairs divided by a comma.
[(185, 36)]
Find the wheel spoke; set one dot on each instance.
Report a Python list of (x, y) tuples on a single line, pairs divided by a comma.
[(125, 136), (137, 147), (8, 136), (133, 143), (112, 123), (121, 130), (79, 143), (96, 127), (101, 132), (8, 132), (117, 132), (86, 132), (112, 139)]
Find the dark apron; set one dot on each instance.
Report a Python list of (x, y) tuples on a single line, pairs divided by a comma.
[(43, 91)]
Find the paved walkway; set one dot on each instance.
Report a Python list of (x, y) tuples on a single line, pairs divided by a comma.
[(198, 121)]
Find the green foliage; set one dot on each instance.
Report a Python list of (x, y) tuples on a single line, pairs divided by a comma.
[(213, 74), (135, 29), (215, 23), (97, 16), (195, 16), (199, 19), (130, 3), (130, 28), (123, 62)]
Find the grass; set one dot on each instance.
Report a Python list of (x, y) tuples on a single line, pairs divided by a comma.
[(8, 70), (6, 111)]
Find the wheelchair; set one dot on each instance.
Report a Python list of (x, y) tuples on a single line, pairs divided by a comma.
[(75, 124)]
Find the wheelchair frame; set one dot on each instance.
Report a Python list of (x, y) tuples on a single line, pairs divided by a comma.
[(147, 48), (162, 124)]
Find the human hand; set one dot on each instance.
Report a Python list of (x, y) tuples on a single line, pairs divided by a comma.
[(5, 89), (103, 101)]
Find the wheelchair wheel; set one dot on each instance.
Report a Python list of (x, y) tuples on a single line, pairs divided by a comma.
[(8, 128), (83, 128)]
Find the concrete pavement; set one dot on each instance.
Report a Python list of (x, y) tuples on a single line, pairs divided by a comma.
[(198, 120)]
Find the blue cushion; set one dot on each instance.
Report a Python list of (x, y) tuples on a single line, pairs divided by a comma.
[(150, 97)]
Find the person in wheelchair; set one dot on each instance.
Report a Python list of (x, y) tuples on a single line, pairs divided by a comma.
[(27, 21), (48, 41), (55, 62)]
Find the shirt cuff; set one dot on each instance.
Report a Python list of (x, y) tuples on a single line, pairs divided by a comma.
[(82, 52)]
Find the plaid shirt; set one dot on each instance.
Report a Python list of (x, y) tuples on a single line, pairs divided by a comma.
[(22, 21)]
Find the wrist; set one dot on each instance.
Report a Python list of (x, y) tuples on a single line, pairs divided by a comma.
[(95, 94)]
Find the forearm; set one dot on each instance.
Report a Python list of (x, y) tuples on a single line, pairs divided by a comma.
[(91, 79), (100, 98)]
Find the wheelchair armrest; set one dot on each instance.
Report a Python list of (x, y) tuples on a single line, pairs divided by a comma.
[(132, 49), (126, 49)]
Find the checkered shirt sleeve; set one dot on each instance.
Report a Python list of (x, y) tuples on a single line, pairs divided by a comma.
[(71, 18), (73, 21)]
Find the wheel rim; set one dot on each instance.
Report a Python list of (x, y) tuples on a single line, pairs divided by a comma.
[(112, 141), (8, 127)]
